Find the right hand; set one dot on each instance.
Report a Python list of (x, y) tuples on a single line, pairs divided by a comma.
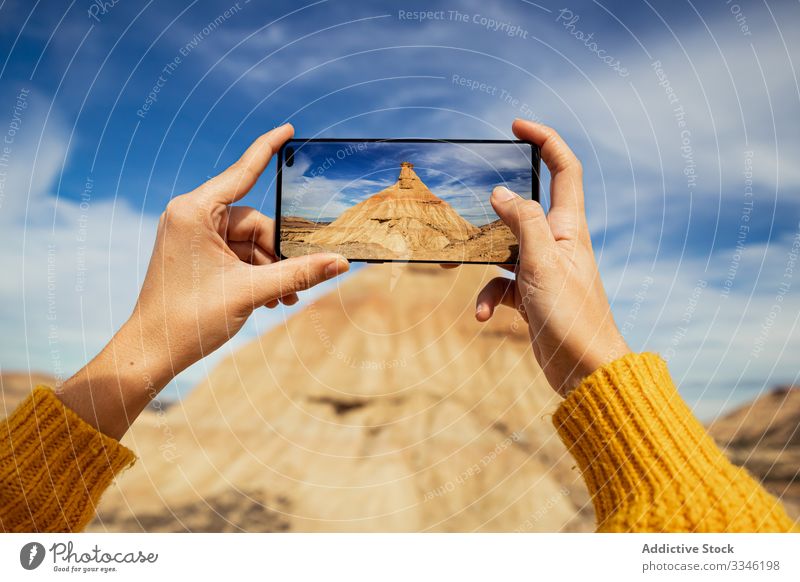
[(557, 287)]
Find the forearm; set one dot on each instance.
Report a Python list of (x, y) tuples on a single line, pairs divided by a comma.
[(112, 390), (60, 451), (649, 464)]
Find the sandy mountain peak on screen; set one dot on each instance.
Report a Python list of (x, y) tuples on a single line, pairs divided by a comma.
[(406, 215)]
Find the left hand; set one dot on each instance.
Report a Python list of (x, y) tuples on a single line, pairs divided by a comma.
[(212, 265)]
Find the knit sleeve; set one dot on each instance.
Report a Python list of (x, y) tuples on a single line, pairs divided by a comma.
[(53, 466), (648, 463)]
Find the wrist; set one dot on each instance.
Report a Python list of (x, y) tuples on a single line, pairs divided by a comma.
[(141, 356), (111, 391), (603, 351)]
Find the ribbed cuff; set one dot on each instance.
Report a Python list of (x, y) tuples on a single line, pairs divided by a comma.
[(53, 466), (640, 448)]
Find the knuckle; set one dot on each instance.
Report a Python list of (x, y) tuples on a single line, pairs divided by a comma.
[(244, 172), (171, 209), (268, 151), (531, 211), (172, 212), (534, 208), (550, 132), (177, 209), (260, 222), (299, 278), (567, 161)]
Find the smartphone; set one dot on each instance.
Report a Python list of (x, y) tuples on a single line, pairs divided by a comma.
[(405, 200)]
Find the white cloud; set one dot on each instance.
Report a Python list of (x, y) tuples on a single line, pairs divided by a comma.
[(736, 98), (628, 135), (320, 196), (680, 309), (73, 268), (461, 166)]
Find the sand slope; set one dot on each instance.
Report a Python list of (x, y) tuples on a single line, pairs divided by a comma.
[(764, 437), (385, 407), (382, 407), (403, 222), (403, 218), (16, 386)]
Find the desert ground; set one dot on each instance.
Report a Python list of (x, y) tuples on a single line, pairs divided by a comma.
[(764, 436), (384, 406)]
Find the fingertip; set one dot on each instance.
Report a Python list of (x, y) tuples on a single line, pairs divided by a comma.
[(336, 265), (483, 312), (279, 135), (519, 125), (531, 131), (502, 194), (290, 299)]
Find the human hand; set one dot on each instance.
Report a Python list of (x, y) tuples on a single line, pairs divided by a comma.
[(557, 287), (212, 265)]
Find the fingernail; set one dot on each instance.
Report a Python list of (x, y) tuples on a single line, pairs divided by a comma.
[(337, 266), (503, 194), (479, 308)]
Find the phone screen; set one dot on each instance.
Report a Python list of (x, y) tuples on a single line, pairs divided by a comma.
[(400, 200)]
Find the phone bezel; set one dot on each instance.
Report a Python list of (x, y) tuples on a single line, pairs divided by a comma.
[(535, 184)]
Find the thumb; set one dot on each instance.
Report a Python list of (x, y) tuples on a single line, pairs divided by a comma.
[(270, 282), (525, 218)]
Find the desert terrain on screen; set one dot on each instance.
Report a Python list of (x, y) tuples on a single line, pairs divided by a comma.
[(393, 201)]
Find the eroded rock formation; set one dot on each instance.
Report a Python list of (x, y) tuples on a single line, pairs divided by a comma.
[(404, 218)]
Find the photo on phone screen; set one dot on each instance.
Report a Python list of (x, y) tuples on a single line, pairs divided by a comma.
[(400, 200)]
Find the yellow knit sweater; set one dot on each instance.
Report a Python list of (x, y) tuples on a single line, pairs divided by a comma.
[(647, 462), (53, 467)]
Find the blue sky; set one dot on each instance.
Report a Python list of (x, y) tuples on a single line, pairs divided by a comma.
[(685, 116), (327, 178)]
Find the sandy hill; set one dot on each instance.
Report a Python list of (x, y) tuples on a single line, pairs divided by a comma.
[(772, 420), (383, 406), (403, 222), (296, 228), (402, 218), (764, 436), (293, 222), (495, 241), (15, 386)]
